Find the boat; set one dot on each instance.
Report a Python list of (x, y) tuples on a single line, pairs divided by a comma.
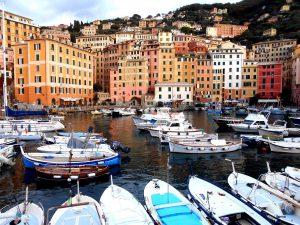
[(278, 111), (8, 141), (96, 112), (277, 205), (168, 206), (24, 213), (293, 172), (251, 124), (227, 110), (28, 112), (282, 182), (105, 158), (7, 155), (173, 127), (295, 120), (241, 112), (78, 134), (223, 122), (224, 207), (106, 112), (205, 147), (151, 124), (64, 139), (277, 128), (64, 173), (23, 135), (127, 112), (201, 136), (30, 125), (56, 117), (121, 207), (250, 140), (289, 145), (79, 210)]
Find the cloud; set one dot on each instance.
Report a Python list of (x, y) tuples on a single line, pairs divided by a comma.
[(50, 12)]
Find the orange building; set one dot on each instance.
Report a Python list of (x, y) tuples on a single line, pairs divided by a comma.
[(230, 30), (249, 79), (181, 42), (18, 28), (48, 72)]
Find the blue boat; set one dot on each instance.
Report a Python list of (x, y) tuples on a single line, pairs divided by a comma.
[(241, 112), (34, 159), (295, 120), (17, 113)]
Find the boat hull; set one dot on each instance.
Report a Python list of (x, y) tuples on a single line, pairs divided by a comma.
[(284, 148)]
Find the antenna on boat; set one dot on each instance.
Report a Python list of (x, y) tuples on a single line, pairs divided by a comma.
[(78, 191), (268, 167)]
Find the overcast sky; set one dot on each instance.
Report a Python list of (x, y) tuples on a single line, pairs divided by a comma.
[(54, 12)]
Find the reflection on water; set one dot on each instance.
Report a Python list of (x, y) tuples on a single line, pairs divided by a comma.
[(147, 159)]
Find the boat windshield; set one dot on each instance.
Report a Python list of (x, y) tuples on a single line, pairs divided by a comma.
[(248, 122)]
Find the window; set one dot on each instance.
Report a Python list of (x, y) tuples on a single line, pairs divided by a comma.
[(37, 68), (37, 57), (169, 96), (159, 89), (20, 71), (37, 47), (37, 79), (21, 91), (20, 50), (38, 90), (21, 81)]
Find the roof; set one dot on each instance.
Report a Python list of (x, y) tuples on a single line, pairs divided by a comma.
[(174, 84)]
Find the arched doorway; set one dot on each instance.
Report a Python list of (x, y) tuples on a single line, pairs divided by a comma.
[(38, 101), (53, 101)]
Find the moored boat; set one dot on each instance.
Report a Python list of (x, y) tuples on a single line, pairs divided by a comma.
[(23, 213), (96, 112), (63, 173), (224, 207), (23, 135), (121, 207), (223, 122), (169, 207), (205, 147), (289, 145), (173, 127), (251, 123), (293, 172)]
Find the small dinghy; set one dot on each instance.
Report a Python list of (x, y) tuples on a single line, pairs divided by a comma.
[(289, 145), (204, 147), (278, 205), (283, 183), (23, 135), (223, 207), (293, 172), (168, 206), (79, 210), (63, 173), (96, 112), (25, 213), (121, 207)]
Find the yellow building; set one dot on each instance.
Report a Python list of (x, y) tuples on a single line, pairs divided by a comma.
[(89, 30), (49, 72), (18, 28), (249, 79), (95, 42), (270, 32), (142, 23)]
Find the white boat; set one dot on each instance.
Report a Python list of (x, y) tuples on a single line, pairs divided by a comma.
[(121, 207), (96, 112), (7, 141), (181, 136), (224, 207), (277, 128), (293, 172), (289, 145), (30, 125), (278, 205), (174, 127), (24, 213), (251, 124), (127, 112), (7, 155), (151, 124), (23, 135), (283, 183), (56, 117), (168, 206), (64, 139), (205, 147), (78, 210), (106, 112)]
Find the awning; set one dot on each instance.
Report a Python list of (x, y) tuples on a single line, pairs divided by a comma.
[(70, 99), (268, 101)]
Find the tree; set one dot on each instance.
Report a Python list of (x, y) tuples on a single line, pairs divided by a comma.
[(136, 17), (115, 27), (186, 30)]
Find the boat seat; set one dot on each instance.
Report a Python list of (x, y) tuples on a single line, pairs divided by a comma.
[(169, 205)]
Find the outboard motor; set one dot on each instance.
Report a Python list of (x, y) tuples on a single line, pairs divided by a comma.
[(117, 146)]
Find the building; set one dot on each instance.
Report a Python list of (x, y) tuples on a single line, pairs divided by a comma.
[(48, 72), (9, 61), (295, 61), (90, 30), (130, 82), (273, 51), (96, 42), (211, 32), (124, 36), (97, 22), (143, 36), (230, 30), (269, 79), (227, 73), (172, 92), (249, 79), (285, 8), (147, 23), (218, 18), (57, 32), (270, 32), (181, 42), (142, 23), (18, 28), (180, 24), (107, 26)]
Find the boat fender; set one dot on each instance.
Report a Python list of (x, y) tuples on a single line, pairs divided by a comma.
[(202, 148), (287, 209), (91, 174), (74, 177), (57, 177), (188, 148)]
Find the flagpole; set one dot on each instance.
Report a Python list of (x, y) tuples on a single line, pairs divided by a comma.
[(4, 60)]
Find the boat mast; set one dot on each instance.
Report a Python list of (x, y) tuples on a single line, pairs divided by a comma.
[(4, 60)]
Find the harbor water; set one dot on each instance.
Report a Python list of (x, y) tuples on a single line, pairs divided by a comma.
[(148, 159)]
